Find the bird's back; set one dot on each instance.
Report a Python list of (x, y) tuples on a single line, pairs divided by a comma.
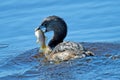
[(69, 46)]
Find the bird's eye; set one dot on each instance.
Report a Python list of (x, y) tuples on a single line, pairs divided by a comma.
[(45, 24)]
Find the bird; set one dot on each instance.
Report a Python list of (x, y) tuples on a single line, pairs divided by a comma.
[(61, 50)]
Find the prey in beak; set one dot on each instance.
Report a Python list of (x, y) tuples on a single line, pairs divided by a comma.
[(41, 39)]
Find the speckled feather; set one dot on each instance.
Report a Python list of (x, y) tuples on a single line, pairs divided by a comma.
[(70, 46)]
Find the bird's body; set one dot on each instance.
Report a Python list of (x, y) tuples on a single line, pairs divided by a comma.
[(68, 50), (62, 50)]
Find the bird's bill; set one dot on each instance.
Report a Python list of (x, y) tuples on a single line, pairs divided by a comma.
[(43, 28)]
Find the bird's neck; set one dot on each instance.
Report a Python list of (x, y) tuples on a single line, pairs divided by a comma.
[(57, 38)]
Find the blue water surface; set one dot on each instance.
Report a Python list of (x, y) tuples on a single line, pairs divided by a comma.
[(87, 20)]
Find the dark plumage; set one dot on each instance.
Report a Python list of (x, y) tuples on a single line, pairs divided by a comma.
[(62, 50), (58, 25)]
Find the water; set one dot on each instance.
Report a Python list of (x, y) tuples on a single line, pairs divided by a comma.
[(88, 21)]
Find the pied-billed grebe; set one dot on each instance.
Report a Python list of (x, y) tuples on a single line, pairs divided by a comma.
[(61, 50)]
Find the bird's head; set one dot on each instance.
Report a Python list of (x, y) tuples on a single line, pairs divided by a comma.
[(57, 25)]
